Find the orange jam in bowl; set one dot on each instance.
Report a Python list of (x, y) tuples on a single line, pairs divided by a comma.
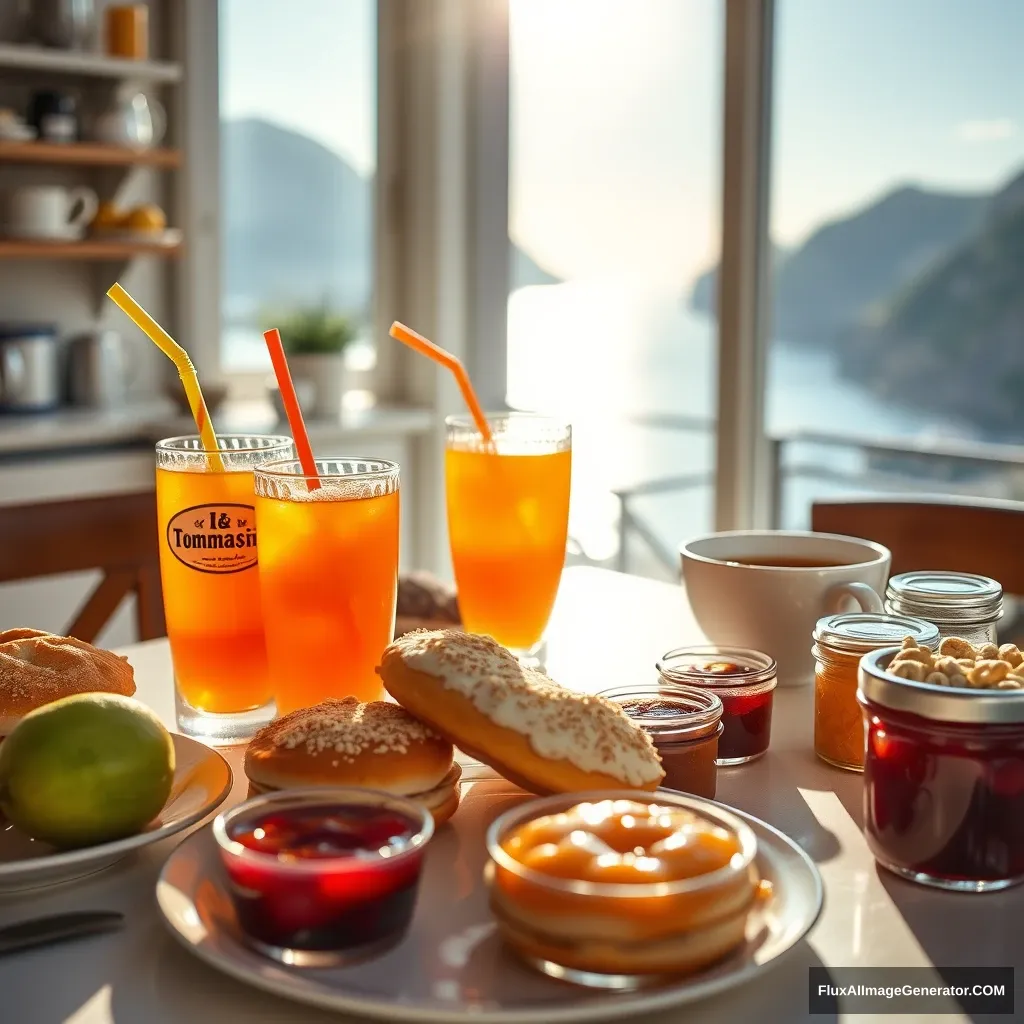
[(618, 889)]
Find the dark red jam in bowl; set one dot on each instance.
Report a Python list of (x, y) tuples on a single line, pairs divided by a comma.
[(323, 877), (943, 798), (743, 680)]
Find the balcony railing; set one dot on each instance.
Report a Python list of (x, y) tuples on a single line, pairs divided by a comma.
[(959, 455)]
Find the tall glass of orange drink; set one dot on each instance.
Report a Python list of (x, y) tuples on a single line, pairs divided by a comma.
[(208, 559), (508, 522), (328, 576)]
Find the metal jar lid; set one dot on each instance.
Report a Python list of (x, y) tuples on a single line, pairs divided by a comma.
[(860, 632), (953, 597), (941, 703)]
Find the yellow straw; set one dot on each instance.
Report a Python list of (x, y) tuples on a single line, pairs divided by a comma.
[(187, 372)]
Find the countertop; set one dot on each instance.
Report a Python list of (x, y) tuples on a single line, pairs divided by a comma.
[(144, 423)]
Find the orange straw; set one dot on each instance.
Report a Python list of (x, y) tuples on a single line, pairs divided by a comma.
[(291, 407), (427, 348)]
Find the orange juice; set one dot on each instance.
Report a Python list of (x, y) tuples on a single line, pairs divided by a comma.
[(208, 569), (329, 578), (508, 521)]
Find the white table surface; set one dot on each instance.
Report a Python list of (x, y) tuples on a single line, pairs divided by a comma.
[(607, 629)]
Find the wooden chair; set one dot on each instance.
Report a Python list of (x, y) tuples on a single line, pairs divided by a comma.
[(116, 533), (960, 534)]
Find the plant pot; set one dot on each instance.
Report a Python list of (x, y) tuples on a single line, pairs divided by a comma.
[(324, 378)]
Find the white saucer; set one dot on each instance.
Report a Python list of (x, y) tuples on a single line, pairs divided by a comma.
[(71, 234), (202, 780), (452, 966)]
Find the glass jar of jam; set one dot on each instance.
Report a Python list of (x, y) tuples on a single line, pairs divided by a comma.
[(959, 603), (685, 724), (943, 780), (616, 890), (839, 643), (323, 877), (743, 680)]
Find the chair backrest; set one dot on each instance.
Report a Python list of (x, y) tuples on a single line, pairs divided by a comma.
[(962, 535), (116, 534)]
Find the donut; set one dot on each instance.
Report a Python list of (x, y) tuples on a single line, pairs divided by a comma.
[(539, 735)]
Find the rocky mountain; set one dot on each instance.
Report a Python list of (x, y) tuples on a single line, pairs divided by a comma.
[(953, 339), (298, 224), (849, 267)]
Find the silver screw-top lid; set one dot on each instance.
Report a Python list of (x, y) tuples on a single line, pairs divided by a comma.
[(956, 598), (941, 703), (860, 632)]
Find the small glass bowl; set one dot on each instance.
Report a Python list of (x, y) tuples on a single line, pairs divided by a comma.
[(685, 725), (330, 910), (620, 936), (747, 694)]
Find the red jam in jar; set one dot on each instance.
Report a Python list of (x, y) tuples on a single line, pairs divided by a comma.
[(323, 877), (943, 780), (685, 725), (743, 680)]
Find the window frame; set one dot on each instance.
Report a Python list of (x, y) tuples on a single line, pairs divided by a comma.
[(743, 488)]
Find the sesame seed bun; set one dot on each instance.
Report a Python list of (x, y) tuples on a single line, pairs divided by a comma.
[(376, 745), (37, 668), (537, 734)]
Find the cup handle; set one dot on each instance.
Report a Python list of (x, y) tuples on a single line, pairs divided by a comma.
[(864, 595), (90, 204)]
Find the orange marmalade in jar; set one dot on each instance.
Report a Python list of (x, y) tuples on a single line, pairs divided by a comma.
[(840, 641), (613, 889)]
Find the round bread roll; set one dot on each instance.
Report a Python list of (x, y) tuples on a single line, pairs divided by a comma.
[(377, 745), (37, 668), (535, 733)]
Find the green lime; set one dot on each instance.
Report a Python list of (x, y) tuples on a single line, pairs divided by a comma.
[(85, 770)]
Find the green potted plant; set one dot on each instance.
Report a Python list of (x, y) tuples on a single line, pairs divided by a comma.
[(315, 340)]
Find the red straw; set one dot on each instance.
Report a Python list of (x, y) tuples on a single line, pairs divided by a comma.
[(291, 407)]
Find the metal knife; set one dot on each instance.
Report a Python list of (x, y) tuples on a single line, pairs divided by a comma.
[(41, 931)]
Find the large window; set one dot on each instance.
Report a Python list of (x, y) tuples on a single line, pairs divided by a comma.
[(898, 220), (298, 115), (615, 112)]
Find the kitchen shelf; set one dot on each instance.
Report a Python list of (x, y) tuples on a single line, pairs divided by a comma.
[(87, 249), (76, 63), (91, 154)]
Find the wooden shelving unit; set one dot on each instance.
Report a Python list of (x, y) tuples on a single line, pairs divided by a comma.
[(86, 154), (72, 63), (87, 249)]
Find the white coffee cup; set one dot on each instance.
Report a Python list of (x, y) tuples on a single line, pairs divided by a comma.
[(50, 211), (773, 607)]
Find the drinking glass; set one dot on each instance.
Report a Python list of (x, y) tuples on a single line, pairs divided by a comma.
[(328, 576), (508, 523), (211, 592)]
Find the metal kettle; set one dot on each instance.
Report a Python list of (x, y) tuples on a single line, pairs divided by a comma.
[(98, 369), (29, 368)]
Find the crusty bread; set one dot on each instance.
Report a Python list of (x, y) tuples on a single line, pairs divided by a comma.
[(37, 668)]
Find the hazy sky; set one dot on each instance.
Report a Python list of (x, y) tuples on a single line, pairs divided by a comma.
[(616, 109)]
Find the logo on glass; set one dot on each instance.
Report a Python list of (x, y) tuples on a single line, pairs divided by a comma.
[(214, 538)]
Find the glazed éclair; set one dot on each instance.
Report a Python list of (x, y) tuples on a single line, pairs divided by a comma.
[(376, 745), (537, 734), (37, 668)]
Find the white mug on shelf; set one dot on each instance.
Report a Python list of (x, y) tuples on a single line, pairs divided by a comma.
[(50, 211)]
